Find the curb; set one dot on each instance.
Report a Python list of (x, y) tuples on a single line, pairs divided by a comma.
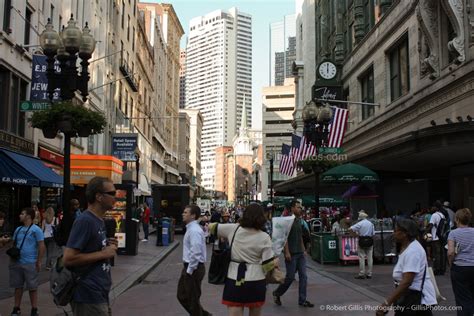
[(140, 274), (355, 287)]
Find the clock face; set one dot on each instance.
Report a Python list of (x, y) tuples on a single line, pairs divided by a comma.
[(327, 70)]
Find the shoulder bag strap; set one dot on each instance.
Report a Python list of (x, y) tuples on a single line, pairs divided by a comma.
[(232, 241), (24, 237), (423, 282)]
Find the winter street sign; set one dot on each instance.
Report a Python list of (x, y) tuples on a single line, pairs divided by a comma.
[(26, 106)]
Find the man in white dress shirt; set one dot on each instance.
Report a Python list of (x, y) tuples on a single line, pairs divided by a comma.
[(194, 257)]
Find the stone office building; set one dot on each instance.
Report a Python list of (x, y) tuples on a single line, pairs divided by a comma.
[(415, 59)]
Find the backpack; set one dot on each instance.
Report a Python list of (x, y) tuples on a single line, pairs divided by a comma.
[(442, 229), (63, 282)]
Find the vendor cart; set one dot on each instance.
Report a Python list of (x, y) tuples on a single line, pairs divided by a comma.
[(324, 247), (348, 248)]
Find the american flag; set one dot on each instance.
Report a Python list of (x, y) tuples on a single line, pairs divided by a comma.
[(286, 163), (307, 149), (337, 127), (295, 148)]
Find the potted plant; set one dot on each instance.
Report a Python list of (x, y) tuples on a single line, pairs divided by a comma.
[(67, 117)]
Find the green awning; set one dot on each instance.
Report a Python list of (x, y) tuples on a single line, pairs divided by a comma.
[(349, 173), (308, 200)]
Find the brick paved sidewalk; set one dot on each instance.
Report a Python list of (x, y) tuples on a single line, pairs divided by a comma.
[(128, 270)]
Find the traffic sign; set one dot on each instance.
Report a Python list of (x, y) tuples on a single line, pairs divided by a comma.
[(27, 106), (330, 150)]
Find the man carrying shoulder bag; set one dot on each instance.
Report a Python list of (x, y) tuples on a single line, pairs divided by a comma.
[(366, 231), (25, 260)]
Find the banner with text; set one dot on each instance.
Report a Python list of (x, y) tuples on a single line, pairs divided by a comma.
[(124, 145), (39, 81)]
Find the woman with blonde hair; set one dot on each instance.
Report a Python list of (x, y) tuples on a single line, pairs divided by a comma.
[(49, 225)]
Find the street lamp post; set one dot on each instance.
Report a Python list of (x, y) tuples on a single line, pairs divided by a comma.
[(66, 47), (316, 118), (271, 177)]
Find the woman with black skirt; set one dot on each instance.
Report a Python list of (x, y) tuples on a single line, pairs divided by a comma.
[(251, 258)]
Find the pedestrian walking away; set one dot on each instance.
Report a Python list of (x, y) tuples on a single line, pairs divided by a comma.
[(88, 251), (146, 221), (437, 221), (295, 260), (28, 244), (461, 260), (252, 258), (414, 293), (194, 257), (366, 231)]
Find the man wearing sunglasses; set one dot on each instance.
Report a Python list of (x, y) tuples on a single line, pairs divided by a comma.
[(88, 251)]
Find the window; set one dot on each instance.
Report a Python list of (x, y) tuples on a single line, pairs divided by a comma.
[(369, 15), (367, 87), (12, 91), (133, 39), (28, 14), (51, 14), (6, 16), (399, 70), (123, 15), (128, 29)]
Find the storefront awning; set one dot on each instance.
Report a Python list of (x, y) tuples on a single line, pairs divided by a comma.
[(28, 170)]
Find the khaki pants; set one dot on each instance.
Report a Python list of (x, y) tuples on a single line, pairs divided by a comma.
[(366, 252)]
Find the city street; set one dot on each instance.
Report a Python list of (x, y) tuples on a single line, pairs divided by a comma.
[(329, 287)]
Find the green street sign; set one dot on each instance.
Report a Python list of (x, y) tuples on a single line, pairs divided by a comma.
[(26, 106), (330, 150)]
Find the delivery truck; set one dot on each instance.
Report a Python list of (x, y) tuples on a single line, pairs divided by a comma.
[(169, 200)]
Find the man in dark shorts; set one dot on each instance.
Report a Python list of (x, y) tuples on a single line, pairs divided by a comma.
[(88, 251)]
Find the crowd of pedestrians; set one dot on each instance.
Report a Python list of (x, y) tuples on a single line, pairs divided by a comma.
[(439, 238)]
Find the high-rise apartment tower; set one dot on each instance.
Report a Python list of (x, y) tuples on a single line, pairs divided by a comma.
[(218, 79)]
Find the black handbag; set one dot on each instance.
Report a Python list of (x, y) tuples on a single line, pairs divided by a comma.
[(15, 252), (410, 299), (220, 261), (366, 241)]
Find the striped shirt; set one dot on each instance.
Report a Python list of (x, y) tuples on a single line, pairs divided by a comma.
[(464, 236)]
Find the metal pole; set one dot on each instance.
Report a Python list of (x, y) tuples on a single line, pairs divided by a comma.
[(67, 216), (316, 193), (256, 185), (271, 179), (348, 102)]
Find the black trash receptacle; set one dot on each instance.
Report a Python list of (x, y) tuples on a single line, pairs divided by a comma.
[(159, 232)]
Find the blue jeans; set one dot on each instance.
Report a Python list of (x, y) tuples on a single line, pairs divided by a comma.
[(297, 263), (145, 230)]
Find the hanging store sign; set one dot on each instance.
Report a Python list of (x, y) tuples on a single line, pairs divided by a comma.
[(124, 145), (16, 143), (327, 92)]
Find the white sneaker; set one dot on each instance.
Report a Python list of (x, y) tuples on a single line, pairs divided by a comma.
[(144, 239)]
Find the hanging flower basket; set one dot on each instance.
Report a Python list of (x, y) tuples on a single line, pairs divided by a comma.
[(316, 164), (69, 118), (50, 132)]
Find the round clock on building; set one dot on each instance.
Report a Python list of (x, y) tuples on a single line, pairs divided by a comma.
[(327, 70)]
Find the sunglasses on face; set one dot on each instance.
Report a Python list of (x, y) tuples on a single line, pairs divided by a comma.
[(111, 193)]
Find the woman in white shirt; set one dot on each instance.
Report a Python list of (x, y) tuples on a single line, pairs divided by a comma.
[(410, 274), (48, 225), (251, 258)]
